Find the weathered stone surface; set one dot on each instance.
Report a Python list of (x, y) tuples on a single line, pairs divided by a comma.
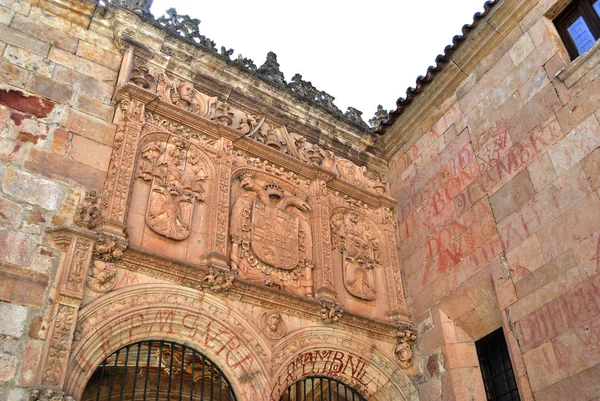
[(48, 88), (23, 40), (8, 367), (83, 84), (44, 32), (576, 145), (13, 319), (28, 61), (27, 104), (56, 167), (82, 65), (88, 126), (22, 286), (31, 189), (13, 75)]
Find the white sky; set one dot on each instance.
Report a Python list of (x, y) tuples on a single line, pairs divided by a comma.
[(362, 53)]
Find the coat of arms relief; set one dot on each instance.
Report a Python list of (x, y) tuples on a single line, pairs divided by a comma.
[(177, 171), (271, 241), (355, 238)]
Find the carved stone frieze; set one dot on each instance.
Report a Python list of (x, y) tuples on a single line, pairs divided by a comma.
[(330, 311), (59, 342), (157, 123), (79, 265), (403, 351)]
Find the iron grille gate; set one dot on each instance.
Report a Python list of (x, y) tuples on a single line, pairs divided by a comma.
[(320, 389), (158, 371)]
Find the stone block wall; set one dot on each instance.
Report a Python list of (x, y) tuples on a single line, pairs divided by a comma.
[(57, 75), (499, 222)]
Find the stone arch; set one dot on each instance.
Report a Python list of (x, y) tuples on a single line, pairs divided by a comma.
[(172, 313), (340, 355)]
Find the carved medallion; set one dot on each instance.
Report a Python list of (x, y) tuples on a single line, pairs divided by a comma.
[(102, 276), (354, 236), (272, 325), (178, 173)]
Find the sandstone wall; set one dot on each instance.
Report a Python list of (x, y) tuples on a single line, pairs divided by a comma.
[(56, 132), (500, 210)]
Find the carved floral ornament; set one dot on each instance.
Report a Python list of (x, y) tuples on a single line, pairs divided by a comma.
[(183, 94)]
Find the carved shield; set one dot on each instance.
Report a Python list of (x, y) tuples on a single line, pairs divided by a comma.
[(275, 236), (170, 208)]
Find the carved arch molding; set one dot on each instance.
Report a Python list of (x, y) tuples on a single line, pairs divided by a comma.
[(199, 321)]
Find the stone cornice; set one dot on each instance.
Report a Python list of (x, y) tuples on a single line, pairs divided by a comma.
[(481, 42), (242, 142), (192, 276), (223, 78)]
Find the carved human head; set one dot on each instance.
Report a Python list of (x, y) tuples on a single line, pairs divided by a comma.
[(186, 91), (273, 321)]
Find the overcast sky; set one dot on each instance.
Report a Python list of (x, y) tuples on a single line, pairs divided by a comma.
[(363, 53)]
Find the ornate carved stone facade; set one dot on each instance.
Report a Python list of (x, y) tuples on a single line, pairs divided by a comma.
[(224, 224)]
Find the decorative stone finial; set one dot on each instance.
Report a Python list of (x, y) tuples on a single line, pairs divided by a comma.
[(270, 69), (381, 115), (137, 6)]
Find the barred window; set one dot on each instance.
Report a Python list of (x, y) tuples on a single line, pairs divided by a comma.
[(496, 369)]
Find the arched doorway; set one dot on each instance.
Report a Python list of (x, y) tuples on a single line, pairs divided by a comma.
[(158, 371), (318, 388)]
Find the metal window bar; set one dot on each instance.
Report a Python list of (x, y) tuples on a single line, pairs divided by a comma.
[(326, 389), (173, 365)]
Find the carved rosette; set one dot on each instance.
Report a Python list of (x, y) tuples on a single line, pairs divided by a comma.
[(403, 351), (271, 235), (356, 238)]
